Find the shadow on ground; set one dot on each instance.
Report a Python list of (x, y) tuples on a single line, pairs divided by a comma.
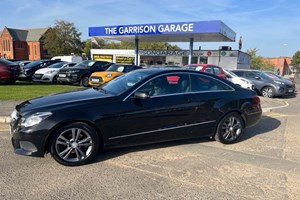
[(265, 125)]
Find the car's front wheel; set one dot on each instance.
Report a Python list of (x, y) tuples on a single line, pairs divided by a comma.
[(74, 144), (229, 128), (84, 81), (268, 92)]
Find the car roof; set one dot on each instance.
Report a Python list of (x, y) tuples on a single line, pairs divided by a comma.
[(252, 70), (204, 65), (172, 70)]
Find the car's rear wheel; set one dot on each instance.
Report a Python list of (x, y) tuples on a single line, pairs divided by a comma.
[(229, 128), (84, 81), (268, 92), (74, 144)]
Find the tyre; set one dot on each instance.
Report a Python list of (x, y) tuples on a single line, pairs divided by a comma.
[(229, 128), (10, 82), (74, 144), (268, 92), (54, 80), (84, 81)]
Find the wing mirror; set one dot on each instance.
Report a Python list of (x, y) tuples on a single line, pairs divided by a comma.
[(140, 95)]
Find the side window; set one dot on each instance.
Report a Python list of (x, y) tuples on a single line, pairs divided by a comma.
[(203, 83), (209, 70), (240, 74), (250, 75), (168, 84), (217, 70), (128, 68)]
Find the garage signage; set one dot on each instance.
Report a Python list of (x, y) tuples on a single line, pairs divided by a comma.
[(162, 28)]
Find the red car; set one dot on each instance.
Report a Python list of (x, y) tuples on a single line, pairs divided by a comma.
[(208, 68), (9, 71)]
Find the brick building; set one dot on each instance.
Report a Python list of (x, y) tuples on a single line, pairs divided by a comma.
[(23, 44), (281, 64)]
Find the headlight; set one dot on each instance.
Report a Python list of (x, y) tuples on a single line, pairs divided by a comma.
[(50, 72), (108, 75), (35, 119), (279, 82), (14, 114)]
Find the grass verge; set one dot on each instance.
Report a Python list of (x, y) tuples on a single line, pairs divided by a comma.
[(23, 90)]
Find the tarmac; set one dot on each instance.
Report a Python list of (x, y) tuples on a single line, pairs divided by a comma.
[(267, 106)]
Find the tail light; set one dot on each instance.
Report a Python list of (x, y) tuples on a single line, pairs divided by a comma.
[(256, 99)]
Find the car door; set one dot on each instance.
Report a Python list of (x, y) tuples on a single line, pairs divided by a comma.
[(165, 115), (209, 98), (258, 82)]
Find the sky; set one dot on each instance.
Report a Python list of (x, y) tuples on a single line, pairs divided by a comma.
[(270, 26)]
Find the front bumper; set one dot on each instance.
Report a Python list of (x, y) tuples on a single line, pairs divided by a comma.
[(28, 141), (68, 79), (43, 78), (286, 90)]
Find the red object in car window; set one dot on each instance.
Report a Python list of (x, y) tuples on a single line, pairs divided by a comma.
[(173, 79)]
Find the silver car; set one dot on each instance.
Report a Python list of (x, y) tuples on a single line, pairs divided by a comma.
[(49, 74)]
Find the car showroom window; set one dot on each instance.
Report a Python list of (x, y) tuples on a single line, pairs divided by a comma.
[(200, 83)]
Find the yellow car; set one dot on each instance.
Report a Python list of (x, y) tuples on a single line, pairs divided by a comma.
[(115, 70)]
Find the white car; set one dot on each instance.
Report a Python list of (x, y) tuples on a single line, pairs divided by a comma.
[(49, 74), (244, 83)]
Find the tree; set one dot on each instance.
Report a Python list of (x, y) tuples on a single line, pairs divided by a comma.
[(258, 62), (296, 61), (62, 39)]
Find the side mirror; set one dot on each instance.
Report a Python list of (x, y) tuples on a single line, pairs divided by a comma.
[(257, 77), (140, 95)]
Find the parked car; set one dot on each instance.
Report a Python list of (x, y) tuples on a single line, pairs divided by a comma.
[(208, 68), (49, 74), (278, 77), (245, 83), (9, 71), (32, 67), (81, 72), (139, 107), (264, 84), (115, 70)]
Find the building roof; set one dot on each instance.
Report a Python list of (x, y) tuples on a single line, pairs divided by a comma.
[(35, 34), (28, 35), (17, 34)]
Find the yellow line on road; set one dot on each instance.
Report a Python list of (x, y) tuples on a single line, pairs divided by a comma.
[(274, 115)]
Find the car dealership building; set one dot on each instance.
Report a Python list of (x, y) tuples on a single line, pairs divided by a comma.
[(203, 31)]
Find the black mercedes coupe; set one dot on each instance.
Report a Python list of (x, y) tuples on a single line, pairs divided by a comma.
[(139, 107)]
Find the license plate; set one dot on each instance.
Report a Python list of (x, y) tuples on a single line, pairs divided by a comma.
[(62, 75), (95, 80)]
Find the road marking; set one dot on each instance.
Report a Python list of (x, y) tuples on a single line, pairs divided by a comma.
[(273, 115)]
